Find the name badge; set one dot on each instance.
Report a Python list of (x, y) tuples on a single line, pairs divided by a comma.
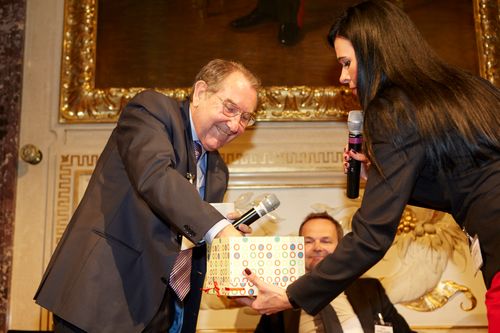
[(475, 252), (383, 328)]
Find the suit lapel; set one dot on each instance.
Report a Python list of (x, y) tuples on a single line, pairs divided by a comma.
[(215, 178), (361, 306), (191, 162), (331, 323)]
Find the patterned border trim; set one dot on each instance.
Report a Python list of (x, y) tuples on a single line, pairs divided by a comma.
[(81, 102), (487, 23), (71, 168)]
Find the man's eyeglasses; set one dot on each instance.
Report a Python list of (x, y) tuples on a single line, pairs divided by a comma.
[(231, 110)]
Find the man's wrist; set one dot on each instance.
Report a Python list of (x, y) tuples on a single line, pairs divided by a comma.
[(214, 231), (291, 300)]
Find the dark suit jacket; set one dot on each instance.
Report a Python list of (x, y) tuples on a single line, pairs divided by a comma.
[(471, 194), (111, 268), (368, 299)]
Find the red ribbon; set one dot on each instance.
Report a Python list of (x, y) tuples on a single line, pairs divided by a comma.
[(217, 289)]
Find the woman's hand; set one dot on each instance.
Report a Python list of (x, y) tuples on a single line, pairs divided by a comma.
[(352, 154), (271, 299)]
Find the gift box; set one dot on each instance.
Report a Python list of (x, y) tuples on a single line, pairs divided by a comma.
[(277, 260)]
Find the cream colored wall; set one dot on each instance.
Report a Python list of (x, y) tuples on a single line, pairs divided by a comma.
[(300, 162), (36, 204)]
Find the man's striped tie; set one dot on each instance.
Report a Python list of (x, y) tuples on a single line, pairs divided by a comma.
[(180, 275)]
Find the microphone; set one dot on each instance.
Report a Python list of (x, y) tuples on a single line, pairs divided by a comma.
[(267, 205), (355, 126)]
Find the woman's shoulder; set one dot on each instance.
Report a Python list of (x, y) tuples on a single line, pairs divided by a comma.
[(392, 93), (390, 99)]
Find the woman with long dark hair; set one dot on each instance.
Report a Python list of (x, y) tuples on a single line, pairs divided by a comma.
[(432, 137)]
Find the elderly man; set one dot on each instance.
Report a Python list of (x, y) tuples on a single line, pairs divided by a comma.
[(119, 265), (363, 305)]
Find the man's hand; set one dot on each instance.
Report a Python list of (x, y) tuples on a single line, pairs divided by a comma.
[(231, 231), (233, 215), (271, 299), (242, 227)]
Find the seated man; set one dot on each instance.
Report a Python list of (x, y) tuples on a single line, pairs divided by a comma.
[(358, 309)]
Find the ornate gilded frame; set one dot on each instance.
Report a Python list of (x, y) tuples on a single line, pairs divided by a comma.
[(82, 102)]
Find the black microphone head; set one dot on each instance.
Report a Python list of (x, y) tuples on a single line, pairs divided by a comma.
[(270, 202), (355, 121)]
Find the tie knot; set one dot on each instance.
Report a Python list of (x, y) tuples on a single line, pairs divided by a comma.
[(198, 150)]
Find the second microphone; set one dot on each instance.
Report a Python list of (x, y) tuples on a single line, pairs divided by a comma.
[(267, 205)]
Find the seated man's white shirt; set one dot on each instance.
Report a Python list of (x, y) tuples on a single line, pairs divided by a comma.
[(307, 324), (347, 317), (345, 313)]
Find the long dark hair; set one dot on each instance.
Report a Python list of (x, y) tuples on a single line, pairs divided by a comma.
[(454, 112)]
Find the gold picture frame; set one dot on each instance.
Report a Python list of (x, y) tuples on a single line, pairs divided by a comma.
[(82, 102)]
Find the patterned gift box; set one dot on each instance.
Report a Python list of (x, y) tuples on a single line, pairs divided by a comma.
[(277, 260)]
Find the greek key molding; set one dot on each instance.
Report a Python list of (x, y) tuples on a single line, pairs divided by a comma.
[(71, 169), (285, 160)]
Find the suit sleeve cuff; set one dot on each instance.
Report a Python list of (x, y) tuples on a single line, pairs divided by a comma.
[(291, 300), (210, 235)]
